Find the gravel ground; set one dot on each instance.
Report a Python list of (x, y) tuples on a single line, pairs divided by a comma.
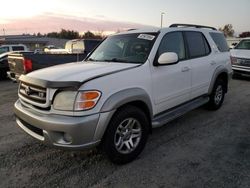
[(201, 149)]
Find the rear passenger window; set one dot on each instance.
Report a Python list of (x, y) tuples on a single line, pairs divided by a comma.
[(17, 48), (220, 41), (173, 42), (197, 44)]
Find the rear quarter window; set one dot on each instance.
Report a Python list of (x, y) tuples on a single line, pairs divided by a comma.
[(197, 44), (220, 41)]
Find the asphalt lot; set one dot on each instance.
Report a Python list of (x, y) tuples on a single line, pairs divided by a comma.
[(201, 149)]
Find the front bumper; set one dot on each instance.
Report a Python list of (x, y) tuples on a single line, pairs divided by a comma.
[(242, 70), (58, 130)]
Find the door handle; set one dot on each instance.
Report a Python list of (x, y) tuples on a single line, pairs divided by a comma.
[(213, 63), (185, 69)]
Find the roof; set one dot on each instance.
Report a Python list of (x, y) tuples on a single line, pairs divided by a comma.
[(173, 27)]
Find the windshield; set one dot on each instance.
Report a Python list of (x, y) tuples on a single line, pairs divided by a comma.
[(244, 45), (4, 49), (126, 48)]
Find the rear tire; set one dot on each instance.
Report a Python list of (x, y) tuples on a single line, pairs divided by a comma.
[(126, 135), (217, 96)]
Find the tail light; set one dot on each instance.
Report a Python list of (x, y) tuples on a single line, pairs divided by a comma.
[(233, 60), (27, 65)]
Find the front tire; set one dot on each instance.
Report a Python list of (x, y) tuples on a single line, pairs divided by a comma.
[(126, 135), (217, 96)]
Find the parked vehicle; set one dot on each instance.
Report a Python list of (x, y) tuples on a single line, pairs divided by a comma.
[(240, 56), (132, 82), (25, 62), (5, 50)]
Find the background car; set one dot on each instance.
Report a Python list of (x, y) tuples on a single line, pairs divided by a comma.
[(240, 57)]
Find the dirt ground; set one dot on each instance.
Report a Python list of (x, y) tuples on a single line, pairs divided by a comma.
[(201, 149)]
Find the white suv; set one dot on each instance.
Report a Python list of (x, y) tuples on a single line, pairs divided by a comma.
[(132, 82)]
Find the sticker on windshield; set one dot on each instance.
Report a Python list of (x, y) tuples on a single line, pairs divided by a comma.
[(146, 37)]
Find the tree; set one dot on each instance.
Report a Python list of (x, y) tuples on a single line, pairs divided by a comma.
[(90, 35), (64, 34), (71, 34), (227, 30), (245, 34)]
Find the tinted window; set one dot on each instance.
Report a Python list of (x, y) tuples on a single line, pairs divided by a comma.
[(17, 48), (220, 41), (197, 44), (173, 42)]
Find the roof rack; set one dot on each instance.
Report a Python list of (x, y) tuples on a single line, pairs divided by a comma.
[(192, 25)]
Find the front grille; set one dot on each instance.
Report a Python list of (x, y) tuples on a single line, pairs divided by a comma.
[(243, 62), (33, 93)]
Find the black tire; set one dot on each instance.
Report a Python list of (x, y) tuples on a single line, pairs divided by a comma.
[(217, 96), (121, 118), (3, 75)]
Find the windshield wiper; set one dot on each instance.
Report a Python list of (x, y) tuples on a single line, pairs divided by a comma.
[(116, 60), (91, 59)]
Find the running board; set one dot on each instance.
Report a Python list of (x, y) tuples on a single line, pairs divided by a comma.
[(179, 111)]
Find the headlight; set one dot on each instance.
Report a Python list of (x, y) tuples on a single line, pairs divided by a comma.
[(233, 60), (76, 101), (86, 100), (65, 100)]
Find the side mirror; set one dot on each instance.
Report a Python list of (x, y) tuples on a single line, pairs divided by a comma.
[(168, 58)]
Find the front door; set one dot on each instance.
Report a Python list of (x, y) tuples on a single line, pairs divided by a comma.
[(171, 83)]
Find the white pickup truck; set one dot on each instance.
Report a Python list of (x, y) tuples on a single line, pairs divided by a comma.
[(132, 82)]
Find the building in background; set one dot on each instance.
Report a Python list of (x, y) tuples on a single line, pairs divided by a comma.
[(32, 42)]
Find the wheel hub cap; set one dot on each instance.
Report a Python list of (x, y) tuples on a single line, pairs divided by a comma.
[(127, 135)]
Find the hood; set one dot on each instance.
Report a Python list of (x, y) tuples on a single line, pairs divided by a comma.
[(78, 72), (239, 53)]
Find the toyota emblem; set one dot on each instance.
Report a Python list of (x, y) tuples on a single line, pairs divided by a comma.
[(27, 90)]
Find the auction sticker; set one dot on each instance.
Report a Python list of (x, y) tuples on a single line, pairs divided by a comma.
[(146, 37)]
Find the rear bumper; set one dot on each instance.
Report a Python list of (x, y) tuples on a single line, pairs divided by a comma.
[(58, 130), (14, 77)]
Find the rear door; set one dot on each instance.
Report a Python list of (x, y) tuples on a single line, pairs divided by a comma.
[(202, 64)]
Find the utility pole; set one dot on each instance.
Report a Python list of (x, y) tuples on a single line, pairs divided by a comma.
[(162, 18), (3, 32)]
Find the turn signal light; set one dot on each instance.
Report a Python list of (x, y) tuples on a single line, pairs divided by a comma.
[(87, 100)]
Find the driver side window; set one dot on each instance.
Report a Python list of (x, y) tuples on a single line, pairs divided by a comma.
[(173, 42)]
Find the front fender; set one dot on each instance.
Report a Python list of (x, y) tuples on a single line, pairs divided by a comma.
[(126, 96)]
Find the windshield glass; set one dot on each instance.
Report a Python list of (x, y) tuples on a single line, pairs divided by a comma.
[(126, 48), (244, 44), (4, 49)]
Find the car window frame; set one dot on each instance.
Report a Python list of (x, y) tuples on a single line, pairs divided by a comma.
[(218, 47), (155, 62), (204, 40)]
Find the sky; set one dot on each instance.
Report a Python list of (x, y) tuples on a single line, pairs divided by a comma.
[(32, 16)]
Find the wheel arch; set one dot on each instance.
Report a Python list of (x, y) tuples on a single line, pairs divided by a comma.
[(134, 97), (222, 73)]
